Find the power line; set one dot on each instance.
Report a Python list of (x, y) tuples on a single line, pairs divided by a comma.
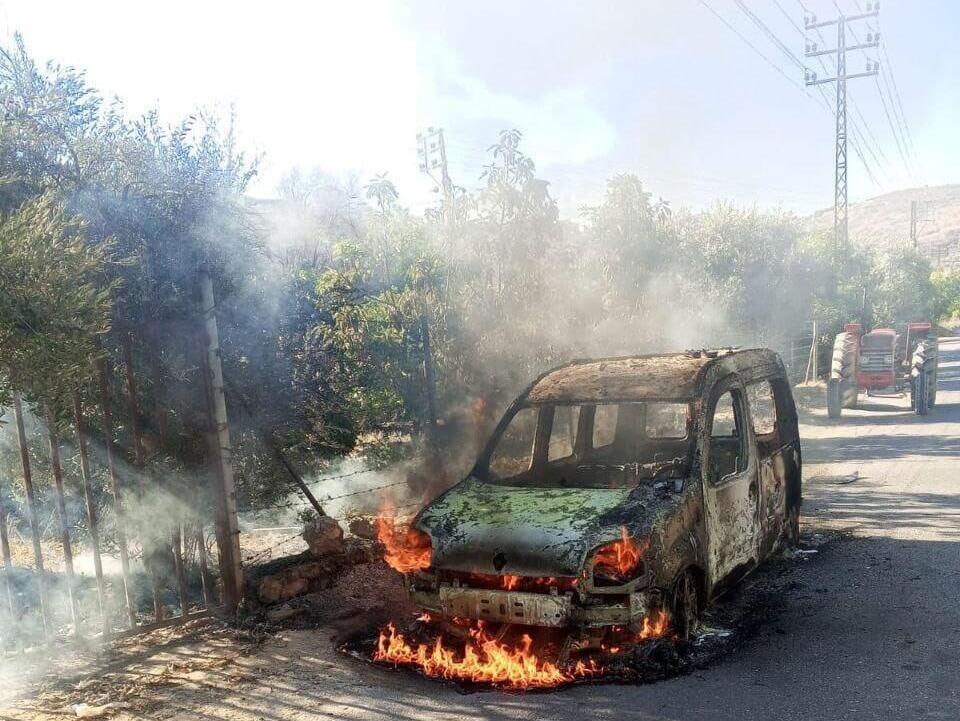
[(789, 18), (896, 125), (794, 59), (893, 128), (879, 152), (866, 125), (769, 33), (870, 39), (888, 69), (822, 100), (859, 139), (755, 49), (899, 126), (840, 117), (896, 90)]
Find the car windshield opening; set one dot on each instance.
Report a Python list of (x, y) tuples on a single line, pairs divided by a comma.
[(591, 445)]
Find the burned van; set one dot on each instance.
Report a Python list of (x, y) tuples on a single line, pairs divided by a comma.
[(619, 488)]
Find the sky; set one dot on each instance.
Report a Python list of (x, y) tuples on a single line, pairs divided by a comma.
[(661, 88)]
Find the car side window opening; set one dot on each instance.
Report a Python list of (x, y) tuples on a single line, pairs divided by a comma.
[(667, 420), (513, 455), (605, 425), (763, 408), (563, 434), (728, 447)]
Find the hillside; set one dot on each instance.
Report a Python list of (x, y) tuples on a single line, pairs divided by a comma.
[(885, 220)]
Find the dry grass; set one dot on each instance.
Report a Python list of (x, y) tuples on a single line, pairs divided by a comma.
[(885, 221)]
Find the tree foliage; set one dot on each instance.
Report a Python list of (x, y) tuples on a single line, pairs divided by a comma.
[(325, 297), (54, 301)]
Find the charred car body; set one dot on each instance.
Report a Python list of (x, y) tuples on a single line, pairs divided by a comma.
[(616, 488)]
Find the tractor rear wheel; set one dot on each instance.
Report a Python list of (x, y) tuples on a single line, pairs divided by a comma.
[(834, 406), (843, 368), (923, 375), (919, 395)]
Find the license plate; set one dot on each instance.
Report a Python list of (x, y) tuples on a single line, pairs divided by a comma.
[(531, 609)]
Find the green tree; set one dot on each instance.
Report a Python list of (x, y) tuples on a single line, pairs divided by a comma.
[(946, 286), (54, 301)]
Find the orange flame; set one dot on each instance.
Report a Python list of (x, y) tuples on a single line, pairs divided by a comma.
[(655, 625), (620, 558), (510, 583), (407, 549), (518, 583), (483, 660)]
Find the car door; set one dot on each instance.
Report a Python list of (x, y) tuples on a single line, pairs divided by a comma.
[(730, 483)]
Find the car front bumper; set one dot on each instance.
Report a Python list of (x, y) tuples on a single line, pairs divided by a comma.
[(536, 609)]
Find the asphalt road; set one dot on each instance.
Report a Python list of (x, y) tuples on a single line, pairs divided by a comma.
[(866, 628)]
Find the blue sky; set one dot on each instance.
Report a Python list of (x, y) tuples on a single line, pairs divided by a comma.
[(663, 89)]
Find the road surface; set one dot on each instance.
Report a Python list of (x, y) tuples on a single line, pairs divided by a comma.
[(868, 628)]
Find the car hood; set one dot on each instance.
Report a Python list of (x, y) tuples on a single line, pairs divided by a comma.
[(480, 527)]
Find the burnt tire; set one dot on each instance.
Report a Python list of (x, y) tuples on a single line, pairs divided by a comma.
[(843, 368), (834, 404), (685, 606), (791, 527)]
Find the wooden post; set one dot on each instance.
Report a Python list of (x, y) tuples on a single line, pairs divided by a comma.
[(204, 571), (228, 532), (62, 517), (32, 512), (101, 366), (428, 376), (7, 564), (139, 461), (176, 536), (177, 544), (816, 348), (91, 504)]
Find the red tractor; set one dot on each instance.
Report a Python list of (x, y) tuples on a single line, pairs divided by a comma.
[(879, 361)]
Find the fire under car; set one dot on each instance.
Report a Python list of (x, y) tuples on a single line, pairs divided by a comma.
[(618, 490)]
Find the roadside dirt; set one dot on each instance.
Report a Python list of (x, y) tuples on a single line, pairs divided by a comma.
[(176, 672), (146, 676), (864, 628)]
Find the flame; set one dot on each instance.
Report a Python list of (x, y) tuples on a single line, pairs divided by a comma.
[(514, 583), (483, 660), (620, 558), (407, 549), (655, 625), (510, 583)]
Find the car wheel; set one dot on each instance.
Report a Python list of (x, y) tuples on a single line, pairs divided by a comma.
[(685, 606), (791, 529)]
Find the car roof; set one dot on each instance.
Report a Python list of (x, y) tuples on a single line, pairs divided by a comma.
[(665, 376)]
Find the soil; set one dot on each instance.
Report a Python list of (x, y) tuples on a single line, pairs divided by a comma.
[(865, 628)]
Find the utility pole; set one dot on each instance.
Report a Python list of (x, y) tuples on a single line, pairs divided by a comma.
[(432, 155), (913, 223), (840, 154), (919, 213)]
